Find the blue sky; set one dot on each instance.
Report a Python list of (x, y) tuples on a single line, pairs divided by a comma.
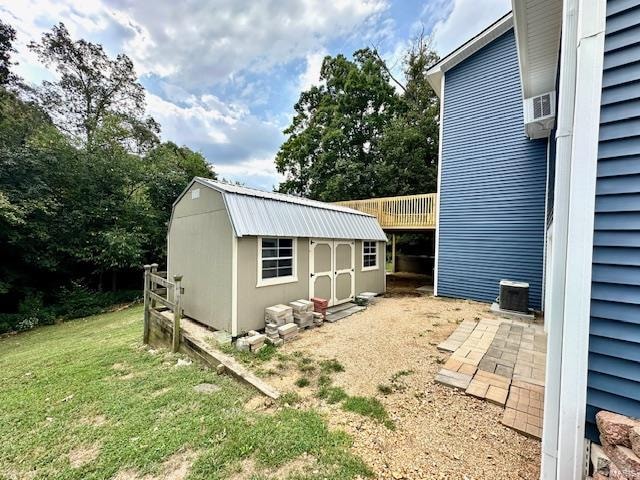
[(222, 76)]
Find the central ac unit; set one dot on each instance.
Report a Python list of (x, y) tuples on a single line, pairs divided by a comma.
[(540, 115)]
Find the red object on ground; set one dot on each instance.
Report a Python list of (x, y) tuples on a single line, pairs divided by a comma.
[(320, 305)]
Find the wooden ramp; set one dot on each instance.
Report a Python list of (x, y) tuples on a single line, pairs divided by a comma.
[(195, 342)]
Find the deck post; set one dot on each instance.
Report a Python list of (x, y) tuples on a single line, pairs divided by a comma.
[(393, 253), (177, 313), (147, 286)]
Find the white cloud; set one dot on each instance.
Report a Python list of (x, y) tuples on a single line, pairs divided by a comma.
[(311, 74), (254, 172), (466, 19), (209, 42)]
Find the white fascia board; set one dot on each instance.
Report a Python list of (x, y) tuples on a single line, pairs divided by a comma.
[(577, 301), (435, 74), (437, 230)]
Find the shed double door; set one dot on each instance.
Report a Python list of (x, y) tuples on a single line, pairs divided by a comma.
[(332, 270)]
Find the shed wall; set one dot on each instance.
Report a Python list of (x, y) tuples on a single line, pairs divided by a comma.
[(199, 248), (252, 300), (370, 280), (614, 342), (492, 193)]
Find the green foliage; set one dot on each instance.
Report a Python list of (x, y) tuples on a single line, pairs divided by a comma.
[(368, 407), (139, 410), (85, 187), (357, 136)]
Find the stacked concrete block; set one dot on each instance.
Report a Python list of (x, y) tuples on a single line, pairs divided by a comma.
[(619, 437), (256, 341), (273, 337), (318, 319), (300, 306), (279, 314), (242, 344), (288, 332)]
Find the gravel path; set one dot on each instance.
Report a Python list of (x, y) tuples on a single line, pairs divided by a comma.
[(440, 433)]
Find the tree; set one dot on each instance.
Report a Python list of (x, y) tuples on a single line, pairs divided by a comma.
[(333, 149), (358, 136), (7, 37), (410, 144), (93, 89)]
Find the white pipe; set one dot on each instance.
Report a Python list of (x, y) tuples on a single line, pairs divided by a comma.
[(554, 311)]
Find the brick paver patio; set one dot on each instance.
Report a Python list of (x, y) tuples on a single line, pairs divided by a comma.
[(502, 361)]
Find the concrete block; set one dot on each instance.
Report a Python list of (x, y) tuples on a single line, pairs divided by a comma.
[(288, 329), (256, 339)]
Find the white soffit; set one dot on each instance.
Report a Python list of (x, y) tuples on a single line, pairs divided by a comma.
[(537, 25), (435, 73)]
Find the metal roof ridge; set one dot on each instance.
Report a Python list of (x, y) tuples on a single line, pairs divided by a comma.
[(232, 189)]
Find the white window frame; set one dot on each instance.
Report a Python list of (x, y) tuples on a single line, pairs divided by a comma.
[(278, 280), (377, 254)]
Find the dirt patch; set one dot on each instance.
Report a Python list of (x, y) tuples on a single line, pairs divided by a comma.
[(176, 467), (301, 465), (160, 392), (94, 421), (83, 454), (120, 367), (439, 432)]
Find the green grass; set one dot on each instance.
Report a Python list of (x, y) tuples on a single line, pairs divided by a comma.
[(332, 394), (90, 382), (332, 365), (303, 382), (368, 407)]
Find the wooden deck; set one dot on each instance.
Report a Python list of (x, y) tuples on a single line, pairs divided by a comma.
[(410, 212)]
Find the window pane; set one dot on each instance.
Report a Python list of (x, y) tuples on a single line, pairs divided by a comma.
[(269, 252), (269, 263), (285, 272), (269, 273), (285, 252), (269, 242), (285, 263), (285, 242)]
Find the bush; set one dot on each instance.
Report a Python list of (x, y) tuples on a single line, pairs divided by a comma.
[(72, 302), (79, 301)]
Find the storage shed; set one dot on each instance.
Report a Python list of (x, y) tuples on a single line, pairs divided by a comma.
[(241, 250)]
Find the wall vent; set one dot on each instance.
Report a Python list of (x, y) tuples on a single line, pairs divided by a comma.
[(540, 115)]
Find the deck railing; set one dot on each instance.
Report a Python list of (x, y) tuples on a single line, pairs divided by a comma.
[(410, 212)]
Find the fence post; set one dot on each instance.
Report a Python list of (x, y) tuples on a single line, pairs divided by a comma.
[(154, 270), (177, 313), (145, 333)]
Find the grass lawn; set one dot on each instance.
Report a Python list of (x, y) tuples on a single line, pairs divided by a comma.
[(85, 400)]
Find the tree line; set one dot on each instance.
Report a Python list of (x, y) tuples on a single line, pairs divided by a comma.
[(86, 185)]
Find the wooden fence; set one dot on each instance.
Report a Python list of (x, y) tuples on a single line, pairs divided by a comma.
[(161, 295), (410, 212)]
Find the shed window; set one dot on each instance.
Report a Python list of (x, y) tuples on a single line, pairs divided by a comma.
[(369, 255), (277, 259)]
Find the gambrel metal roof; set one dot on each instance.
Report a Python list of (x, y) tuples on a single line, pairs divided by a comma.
[(260, 213)]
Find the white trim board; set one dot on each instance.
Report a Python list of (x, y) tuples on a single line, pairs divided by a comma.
[(435, 75), (437, 230), (577, 299)]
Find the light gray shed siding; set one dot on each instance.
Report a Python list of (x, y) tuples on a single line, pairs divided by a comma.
[(370, 280), (199, 248), (252, 300)]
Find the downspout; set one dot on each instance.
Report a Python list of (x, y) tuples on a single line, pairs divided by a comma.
[(555, 297)]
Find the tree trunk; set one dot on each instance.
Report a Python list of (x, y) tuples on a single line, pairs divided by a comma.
[(114, 276)]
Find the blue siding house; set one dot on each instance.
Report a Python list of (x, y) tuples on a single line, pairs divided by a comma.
[(492, 186), (539, 181)]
